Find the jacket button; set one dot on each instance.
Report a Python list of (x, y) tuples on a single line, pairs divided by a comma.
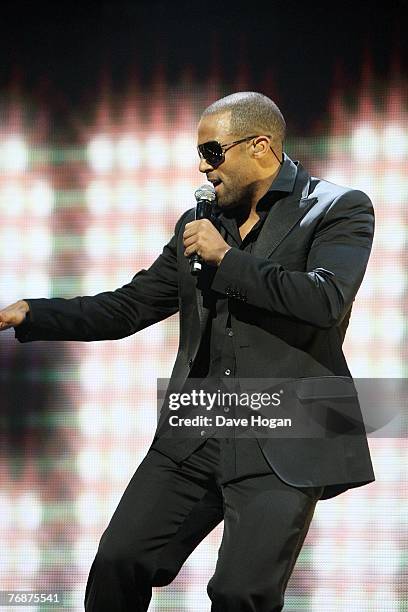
[(190, 363)]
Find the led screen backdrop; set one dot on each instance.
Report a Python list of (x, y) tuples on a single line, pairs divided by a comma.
[(82, 217)]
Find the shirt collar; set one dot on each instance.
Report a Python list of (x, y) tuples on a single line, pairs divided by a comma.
[(285, 180), (283, 183)]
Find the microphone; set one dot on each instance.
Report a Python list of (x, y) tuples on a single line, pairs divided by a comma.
[(205, 197)]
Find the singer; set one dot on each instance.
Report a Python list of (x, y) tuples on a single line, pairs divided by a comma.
[(277, 262)]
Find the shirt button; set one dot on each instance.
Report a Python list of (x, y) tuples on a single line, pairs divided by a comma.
[(226, 409), (230, 332), (227, 372), (202, 433)]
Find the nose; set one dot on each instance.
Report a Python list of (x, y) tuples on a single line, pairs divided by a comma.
[(204, 166)]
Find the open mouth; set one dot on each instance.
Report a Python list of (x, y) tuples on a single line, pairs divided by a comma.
[(215, 182)]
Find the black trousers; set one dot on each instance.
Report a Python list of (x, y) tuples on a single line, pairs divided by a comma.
[(166, 511)]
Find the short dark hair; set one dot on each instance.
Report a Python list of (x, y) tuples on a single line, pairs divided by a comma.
[(251, 112)]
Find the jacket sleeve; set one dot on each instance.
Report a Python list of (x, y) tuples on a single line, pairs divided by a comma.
[(151, 295), (322, 295)]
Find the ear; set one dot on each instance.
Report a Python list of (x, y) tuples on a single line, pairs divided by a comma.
[(260, 146)]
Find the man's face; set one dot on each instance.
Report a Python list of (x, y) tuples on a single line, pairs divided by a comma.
[(233, 179)]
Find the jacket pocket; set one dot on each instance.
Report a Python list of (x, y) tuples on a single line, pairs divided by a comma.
[(328, 406)]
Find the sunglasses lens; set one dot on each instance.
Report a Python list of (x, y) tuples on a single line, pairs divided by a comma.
[(211, 152)]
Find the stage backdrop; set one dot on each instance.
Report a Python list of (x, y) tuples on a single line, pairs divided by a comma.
[(83, 216)]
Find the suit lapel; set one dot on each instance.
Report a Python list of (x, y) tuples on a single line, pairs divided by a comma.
[(202, 292), (284, 215), (202, 312)]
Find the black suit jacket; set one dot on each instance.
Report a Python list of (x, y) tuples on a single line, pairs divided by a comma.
[(290, 302)]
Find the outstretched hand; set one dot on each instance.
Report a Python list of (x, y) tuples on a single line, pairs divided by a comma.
[(13, 315)]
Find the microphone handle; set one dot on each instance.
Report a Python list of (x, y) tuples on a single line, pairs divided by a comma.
[(203, 211)]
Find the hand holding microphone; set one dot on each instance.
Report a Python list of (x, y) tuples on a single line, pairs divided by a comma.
[(202, 241)]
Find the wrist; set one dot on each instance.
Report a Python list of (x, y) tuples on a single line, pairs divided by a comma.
[(223, 253), (25, 306)]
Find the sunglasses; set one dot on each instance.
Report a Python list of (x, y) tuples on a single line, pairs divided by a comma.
[(214, 152)]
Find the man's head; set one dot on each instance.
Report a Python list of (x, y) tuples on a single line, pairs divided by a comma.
[(240, 168)]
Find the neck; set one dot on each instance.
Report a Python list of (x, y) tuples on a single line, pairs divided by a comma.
[(261, 187), (246, 209)]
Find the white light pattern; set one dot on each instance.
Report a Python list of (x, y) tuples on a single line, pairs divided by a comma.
[(40, 198), (6, 511), (182, 195), (151, 240), (101, 154), (368, 183), (95, 281), (120, 464), (129, 153), (98, 196), (91, 419), (335, 175), (393, 233), (394, 187), (90, 464), (84, 549), (12, 198), (125, 240), (87, 509), (365, 143), (11, 246), (37, 284), (156, 194), (122, 419), (14, 154), (27, 557), (122, 371), (146, 419), (90, 373), (28, 511), (157, 152), (11, 285), (395, 141), (184, 151), (98, 241), (128, 196), (38, 244)]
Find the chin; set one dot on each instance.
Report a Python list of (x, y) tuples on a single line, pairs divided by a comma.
[(226, 202)]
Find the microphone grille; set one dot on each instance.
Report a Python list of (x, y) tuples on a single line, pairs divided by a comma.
[(205, 192)]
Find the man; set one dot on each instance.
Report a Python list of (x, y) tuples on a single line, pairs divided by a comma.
[(284, 256)]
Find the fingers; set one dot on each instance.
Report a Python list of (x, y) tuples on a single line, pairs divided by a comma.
[(13, 315), (190, 242), (3, 325), (193, 227), (190, 250), (190, 238), (195, 231)]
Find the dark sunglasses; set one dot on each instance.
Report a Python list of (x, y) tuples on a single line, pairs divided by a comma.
[(214, 152)]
